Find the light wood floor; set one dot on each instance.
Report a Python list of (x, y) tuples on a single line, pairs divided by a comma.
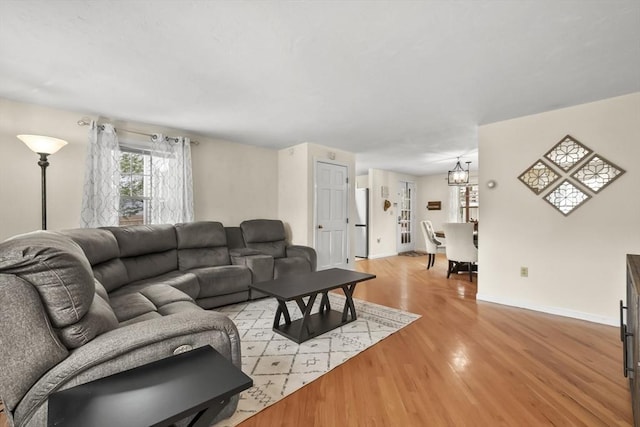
[(464, 363)]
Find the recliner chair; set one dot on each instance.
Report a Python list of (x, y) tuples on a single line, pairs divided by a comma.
[(268, 237)]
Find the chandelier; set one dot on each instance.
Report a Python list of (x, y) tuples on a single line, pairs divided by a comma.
[(459, 176)]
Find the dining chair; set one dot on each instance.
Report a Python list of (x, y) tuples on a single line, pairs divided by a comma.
[(432, 243), (460, 248)]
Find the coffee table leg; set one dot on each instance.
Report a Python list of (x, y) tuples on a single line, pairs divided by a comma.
[(306, 313), (282, 310), (348, 304), (325, 305)]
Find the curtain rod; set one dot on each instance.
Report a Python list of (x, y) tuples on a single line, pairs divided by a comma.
[(87, 122)]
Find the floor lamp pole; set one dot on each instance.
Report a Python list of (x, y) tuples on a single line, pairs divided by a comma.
[(44, 146), (43, 163)]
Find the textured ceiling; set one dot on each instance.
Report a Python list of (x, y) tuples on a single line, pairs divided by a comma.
[(403, 84)]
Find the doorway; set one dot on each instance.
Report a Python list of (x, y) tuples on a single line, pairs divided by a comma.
[(331, 236), (405, 231)]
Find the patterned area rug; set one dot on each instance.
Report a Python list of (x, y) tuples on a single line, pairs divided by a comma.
[(279, 366)]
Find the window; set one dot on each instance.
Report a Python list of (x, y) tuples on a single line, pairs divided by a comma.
[(136, 182), (135, 187), (469, 206)]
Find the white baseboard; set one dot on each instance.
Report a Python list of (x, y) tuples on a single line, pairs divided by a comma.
[(612, 321), (383, 255)]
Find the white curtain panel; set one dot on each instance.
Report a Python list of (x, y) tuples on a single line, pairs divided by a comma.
[(171, 180), (101, 193), (454, 213)]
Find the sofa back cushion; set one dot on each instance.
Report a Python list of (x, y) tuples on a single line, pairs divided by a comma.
[(201, 244), (57, 267), (102, 251), (99, 319), (265, 235), (234, 238), (146, 250), (61, 274)]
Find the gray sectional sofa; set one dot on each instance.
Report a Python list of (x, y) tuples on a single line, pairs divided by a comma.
[(81, 304)]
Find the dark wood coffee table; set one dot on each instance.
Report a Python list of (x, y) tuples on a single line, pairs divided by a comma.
[(200, 381), (296, 287)]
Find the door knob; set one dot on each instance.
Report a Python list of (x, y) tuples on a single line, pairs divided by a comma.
[(320, 226)]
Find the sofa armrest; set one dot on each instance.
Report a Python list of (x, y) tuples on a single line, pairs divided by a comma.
[(304, 252), (261, 265), (128, 347), (241, 252)]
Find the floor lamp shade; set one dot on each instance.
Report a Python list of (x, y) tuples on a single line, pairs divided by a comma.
[(44, 146)]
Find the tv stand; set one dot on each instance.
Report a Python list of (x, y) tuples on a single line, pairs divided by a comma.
[(630, 333)]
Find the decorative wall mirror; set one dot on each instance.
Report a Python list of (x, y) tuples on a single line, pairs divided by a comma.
[(538, 177), (566, 197), (567, 153), (597, 173), (594, 173)]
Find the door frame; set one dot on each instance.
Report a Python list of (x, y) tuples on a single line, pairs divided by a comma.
[(412, 222), (349, 225)]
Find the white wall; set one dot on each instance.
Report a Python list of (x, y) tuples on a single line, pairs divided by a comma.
[(362, 181), (232, 182), (576, 263), (383, 225), (296, 204), (20, 173), (293, 193)]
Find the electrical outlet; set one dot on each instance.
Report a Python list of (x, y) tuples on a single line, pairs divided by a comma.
[(524, 271)]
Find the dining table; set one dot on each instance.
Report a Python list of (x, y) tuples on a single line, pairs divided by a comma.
[(475, 236)]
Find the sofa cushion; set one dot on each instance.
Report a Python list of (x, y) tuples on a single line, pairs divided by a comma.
[(150, 265), (98, 245), (25, 332), (234, 237), (203, 257), (100, 290), (143, 317), (145, 251), (136, 305), (134, 240), (99, 319), (128, 305), (222, 300), (265, 235), (286, 266), (262, 230), (222, 280), (274, 249), (59, 270), (201, 244), (183, 281), (260, 265), (112, 274), (200, 234), (101, 248)]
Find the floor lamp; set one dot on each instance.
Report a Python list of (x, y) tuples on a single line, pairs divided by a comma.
[(44, 146)]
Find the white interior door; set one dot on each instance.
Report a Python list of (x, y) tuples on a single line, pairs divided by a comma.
[(405, 233), (331, 215)]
